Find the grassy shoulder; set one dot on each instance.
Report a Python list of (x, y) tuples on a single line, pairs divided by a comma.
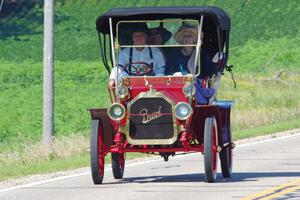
[(54, 164), (46, 166), (267, 129)]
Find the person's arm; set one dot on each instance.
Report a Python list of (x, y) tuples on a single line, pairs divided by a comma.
[(123, 58), (160, 64), (119, 68)]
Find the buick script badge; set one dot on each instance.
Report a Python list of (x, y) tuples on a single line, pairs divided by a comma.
[(148, 117)]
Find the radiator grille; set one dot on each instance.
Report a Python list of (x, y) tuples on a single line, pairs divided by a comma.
[(151, 118)]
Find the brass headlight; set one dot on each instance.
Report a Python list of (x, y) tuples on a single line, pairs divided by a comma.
[(189, 90), (116, 111), (183, 111), (123, 91)]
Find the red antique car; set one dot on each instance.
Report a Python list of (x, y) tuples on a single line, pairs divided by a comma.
[(163, 114)]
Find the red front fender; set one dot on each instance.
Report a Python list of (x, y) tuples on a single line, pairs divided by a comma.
[(109, 132)]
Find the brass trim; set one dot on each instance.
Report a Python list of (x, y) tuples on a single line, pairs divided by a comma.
[(169, 80), (124, 96), (146, 81), (188, 78), (111, 94), (187, 95), (119, 118), (122, 129), (180, 128), (151, 94), (125, 81)]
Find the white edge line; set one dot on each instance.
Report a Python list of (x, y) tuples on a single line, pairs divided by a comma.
[(131, 165), (68, 176), (269, 140), (44, 181)]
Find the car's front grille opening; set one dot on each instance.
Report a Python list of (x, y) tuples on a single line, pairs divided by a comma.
[(151, 118)]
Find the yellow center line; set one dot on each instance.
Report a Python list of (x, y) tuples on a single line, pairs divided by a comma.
[(282, 193), (275, 192)]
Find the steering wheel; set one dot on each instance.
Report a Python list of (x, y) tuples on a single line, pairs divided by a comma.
[(138, 69)]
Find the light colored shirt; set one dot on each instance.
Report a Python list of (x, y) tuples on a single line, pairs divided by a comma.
[(140, 56)]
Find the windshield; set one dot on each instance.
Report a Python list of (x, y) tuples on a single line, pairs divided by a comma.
[(157, 47), (165, 28)]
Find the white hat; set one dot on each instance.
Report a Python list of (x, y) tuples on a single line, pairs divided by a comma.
[(183, 28)]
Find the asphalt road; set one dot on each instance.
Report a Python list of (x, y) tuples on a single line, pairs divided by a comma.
[(265, 169)]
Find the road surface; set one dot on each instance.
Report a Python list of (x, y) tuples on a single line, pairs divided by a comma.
[(266, 169)]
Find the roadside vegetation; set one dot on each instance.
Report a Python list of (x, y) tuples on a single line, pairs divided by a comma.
[(265, 52)]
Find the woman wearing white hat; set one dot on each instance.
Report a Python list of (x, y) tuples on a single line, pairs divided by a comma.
[(183, 60)]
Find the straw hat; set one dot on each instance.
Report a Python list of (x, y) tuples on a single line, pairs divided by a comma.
[(182, 29)]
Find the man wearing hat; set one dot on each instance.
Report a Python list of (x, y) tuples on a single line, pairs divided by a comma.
[(158, 36), (183, 60), (141, 54)]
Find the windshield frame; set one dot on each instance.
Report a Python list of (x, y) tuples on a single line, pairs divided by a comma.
[(117, 47)]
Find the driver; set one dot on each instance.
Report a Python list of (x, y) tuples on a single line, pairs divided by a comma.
[(135, 60)]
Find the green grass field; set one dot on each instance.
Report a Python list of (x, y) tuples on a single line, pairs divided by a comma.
[(265, 41)]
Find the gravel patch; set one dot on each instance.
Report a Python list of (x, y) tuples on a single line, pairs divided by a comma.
[(41, 177)]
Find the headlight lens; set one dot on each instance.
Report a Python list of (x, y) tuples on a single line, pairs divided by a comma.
[(189, 89), (122, 91), (183, 111), (116, 111)]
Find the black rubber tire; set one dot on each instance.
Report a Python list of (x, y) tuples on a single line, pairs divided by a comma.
[(226, 161), (118, 165), (97, 155), (210, 151)]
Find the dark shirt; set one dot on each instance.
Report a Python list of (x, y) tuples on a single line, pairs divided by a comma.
[(177, 62)]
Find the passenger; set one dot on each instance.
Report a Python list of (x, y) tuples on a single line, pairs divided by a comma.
[(183, 59), (158, 36), (134, 56)]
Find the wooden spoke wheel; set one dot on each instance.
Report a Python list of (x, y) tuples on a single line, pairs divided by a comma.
[(210, 149), (97, 152)]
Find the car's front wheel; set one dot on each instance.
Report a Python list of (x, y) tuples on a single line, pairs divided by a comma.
[(97, 152), (210, 149)]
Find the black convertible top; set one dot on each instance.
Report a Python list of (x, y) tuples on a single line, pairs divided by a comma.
[(217, 15)]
